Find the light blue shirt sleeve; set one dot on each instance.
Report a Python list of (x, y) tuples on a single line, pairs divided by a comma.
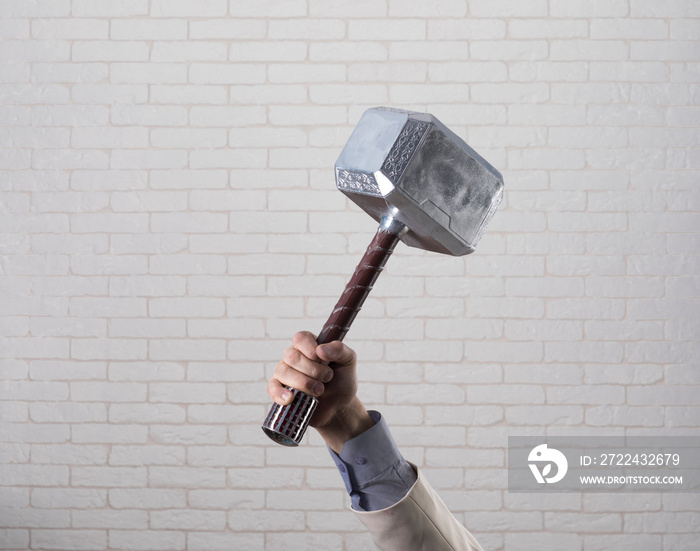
[(375, 473)]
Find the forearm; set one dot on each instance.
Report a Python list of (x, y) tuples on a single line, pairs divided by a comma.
[(346, 424)]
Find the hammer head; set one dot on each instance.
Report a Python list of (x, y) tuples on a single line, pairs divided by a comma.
[(411, 166)]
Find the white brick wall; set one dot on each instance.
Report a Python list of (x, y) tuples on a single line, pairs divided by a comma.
[(168, 220)]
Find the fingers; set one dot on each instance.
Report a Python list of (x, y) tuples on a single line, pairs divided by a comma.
[(305, 367), (295, 360), (299, 371), (278, 393), (336, 352), (288, 375), (305, 343)]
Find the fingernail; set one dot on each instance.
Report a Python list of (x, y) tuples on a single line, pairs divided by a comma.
[(286, 395), (328, 376), (328, 351), (318, 388)]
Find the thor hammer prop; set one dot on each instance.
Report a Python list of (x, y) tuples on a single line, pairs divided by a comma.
[(426, 187)]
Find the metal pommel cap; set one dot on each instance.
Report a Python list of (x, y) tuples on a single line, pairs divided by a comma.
[(411, 167)]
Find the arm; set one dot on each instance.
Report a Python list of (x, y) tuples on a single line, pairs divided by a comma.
[(389, 495)]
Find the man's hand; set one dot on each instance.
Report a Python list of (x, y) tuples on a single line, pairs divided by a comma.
[(328, 373)]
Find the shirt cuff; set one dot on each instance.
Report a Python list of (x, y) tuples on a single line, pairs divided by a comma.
[(375, 473)]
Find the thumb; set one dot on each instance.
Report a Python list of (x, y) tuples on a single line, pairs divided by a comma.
[(337, 353)]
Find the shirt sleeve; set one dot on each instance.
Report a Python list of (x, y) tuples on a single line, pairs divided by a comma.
[(375, 473)]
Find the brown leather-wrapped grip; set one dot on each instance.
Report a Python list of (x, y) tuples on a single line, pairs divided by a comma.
[(359, 286), (287, 424)]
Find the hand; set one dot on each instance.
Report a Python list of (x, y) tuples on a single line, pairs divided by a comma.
[(305, 366)]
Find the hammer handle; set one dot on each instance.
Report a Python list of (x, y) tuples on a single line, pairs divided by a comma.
[(286, 424)]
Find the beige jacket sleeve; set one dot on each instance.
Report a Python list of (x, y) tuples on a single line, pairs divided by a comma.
[(419, 522)]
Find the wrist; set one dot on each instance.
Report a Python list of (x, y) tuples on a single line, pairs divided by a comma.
[(347, 423)]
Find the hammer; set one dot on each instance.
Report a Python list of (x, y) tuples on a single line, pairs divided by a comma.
[(426, 187)]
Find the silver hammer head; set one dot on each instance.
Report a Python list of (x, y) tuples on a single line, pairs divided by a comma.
[(410, 166)]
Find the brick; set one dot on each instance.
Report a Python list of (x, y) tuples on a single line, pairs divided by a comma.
[(186, 392), (629, 71), (619, 330), (67, 412), (625, 416), (395, 71), (186, 264), (14, 539), (184, 519), (644, 29), (226, 286), (146, 413), (35, 50), (90, 265), (212, 541), (180, 51), (179, 8), (187, 477), (508, 93), (89, 540), (146, 455), (680, 374), (67, 454), (14, 452), (544, 28), (656, 395), (99, 433), (174, 93), (224, 456), (69, 29), (290, 521), (226, 499), (660, 352), (510, 50), (545, 330), (110, 519), (40, 433), (149, 115), (120, 179), (571, 8), (297, 73), (37, 475), (446, 457), (226, 28), (15, 28), (186, 307), (546, 114), (677, 50), (168, 349), (505, 394), (470, 415), (683, 29), (14, 94), (108, 391), (37, 138), (229, 73), (235, 158), (146, 498), (557, 71), (109, 476), (36, 306), (588, 50)]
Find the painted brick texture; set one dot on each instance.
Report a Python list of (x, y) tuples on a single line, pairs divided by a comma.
[(168, 220)]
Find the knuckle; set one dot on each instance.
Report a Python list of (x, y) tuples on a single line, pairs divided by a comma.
[(272, 387), (292, 356)]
